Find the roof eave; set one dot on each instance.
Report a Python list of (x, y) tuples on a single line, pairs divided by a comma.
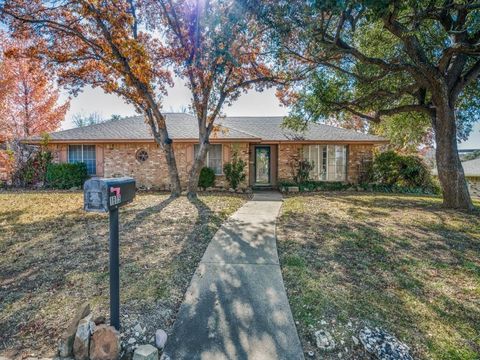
[(117, 141), (329, 141)]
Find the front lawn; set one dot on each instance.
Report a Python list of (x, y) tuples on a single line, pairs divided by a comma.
[(54, 256), (402, 263)]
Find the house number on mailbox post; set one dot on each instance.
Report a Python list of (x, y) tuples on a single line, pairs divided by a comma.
[(107, 195)]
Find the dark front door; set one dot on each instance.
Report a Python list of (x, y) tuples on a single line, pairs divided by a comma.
[(262, 165)]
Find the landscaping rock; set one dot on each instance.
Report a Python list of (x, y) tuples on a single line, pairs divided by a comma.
[(160, 338), (355, 341), (138, 328), (383, 345), (99, 320), (105, 343), (65, 344), (146, 352), (324, 340), (293, 189), (81, 343)]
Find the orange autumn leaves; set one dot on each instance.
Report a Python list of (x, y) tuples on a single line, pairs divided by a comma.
[(217, 47), (96, 43), (29, 99)]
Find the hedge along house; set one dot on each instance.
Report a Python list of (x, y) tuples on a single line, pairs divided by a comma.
[(126, 148)]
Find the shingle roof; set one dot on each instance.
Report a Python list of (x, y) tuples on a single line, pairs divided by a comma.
[(472, 167), (270, 129), (184, 126), (180, 126)]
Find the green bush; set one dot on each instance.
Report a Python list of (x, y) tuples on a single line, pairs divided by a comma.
[(316, 185), (434, 190), (66, 176), (394, 171), (207, 178), (235, 171)]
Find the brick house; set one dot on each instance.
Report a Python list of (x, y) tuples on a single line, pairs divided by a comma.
[(126, 148)]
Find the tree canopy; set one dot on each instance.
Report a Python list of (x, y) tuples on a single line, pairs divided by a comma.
[(29, 97), (403, 60)]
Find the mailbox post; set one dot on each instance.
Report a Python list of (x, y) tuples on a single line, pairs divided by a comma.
[(108, 195)]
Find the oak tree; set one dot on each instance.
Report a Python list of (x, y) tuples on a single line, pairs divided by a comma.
[(101, 44), (219, 50), (379, 59)]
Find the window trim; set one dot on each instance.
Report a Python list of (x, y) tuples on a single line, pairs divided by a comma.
[(328, 160), (94, 146), (207, 159)]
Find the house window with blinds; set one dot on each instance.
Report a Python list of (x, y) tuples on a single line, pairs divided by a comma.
[(329, 162), (85, 154), (214, 158)]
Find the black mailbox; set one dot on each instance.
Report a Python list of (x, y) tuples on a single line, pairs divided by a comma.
[(106, 194)]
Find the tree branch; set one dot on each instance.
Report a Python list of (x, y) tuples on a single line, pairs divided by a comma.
[(463, 81)]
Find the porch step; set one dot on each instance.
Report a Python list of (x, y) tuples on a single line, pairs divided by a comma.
[(263, 187)]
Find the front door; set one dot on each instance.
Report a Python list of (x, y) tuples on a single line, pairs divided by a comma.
[(262, 165)]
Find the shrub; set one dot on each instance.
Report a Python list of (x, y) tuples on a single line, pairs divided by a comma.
[(433, 190), (385, 168), (397, 171), (66, 176), (33, 170), (235, 171), (324, 186), (302, 170), (312, 185), (207, 178)]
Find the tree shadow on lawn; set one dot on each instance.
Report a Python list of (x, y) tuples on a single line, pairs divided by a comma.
[(414, 272), (51, 266), (235, 310)]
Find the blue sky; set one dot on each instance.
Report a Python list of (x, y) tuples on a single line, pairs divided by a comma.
[(251, 104)]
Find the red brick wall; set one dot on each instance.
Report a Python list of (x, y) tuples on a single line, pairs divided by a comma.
[(287, 153), (358, 158), (119, 159)]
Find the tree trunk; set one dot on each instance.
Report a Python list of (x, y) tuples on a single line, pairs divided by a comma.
[(161, 138), (194, 172), (175, 186), (450, 170)]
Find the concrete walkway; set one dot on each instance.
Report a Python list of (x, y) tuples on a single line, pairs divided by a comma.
[(236, 306)]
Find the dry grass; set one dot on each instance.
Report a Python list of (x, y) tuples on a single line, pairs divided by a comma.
[(399, 262), (54, 256)]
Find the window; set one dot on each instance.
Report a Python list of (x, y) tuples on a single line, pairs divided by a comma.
[(85, 154), (141, 155), (214, 158), (329, 161)]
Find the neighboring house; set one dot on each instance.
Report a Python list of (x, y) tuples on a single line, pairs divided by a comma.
[(471, 168), (472, 173), (126, 148)]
